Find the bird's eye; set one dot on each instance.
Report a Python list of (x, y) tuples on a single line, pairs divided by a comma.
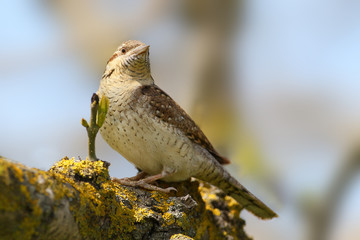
[(123, 50)]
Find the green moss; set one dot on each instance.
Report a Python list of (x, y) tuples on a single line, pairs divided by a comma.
[(103, 209), (17, 195), (214, 216), (72, 170), (98, 200)]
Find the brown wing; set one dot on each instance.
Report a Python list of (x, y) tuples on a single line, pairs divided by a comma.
[(168, 110)]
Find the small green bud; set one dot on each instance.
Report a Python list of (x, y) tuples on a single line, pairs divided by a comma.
[(84, 123), (102, 110)]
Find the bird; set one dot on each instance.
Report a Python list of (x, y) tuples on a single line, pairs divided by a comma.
[(148, 128)]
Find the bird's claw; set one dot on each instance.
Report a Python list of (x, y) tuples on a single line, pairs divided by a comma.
[(143, 184), (169, 189)]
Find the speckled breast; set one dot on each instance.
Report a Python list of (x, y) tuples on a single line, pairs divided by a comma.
[(132, 129)]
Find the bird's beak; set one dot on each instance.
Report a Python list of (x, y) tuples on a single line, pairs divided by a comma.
[(141, 49)]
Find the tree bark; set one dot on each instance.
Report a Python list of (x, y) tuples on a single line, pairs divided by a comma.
[(76, 199)]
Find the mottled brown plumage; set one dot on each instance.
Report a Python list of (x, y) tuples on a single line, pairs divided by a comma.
[(147, 127), (166, 109)]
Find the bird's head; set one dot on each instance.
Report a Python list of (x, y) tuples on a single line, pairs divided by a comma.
[(130, 62)]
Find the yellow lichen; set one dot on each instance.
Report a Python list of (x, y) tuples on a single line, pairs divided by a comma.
[(234, 207), (169, 218), (180, 236), (99, 201), (103, 209), (17, 197), (216, 211), (18, 173), (141, 213)]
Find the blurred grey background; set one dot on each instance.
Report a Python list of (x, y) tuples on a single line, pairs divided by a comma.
[(274, 85)]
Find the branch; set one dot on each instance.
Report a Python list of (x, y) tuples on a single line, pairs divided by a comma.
[(97, 118), (323, 214), (77, 200)]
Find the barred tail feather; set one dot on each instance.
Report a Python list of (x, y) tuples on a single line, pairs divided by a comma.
[(248, 200), (219, 177)]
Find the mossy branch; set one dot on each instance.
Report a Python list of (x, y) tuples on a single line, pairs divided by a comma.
[(97, 118), (77, 200)]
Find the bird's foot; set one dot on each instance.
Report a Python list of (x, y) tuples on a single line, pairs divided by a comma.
[(143, 184), (140, 175)]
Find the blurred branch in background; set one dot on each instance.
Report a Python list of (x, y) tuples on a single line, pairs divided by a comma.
[(214, 25), (321, 215)]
